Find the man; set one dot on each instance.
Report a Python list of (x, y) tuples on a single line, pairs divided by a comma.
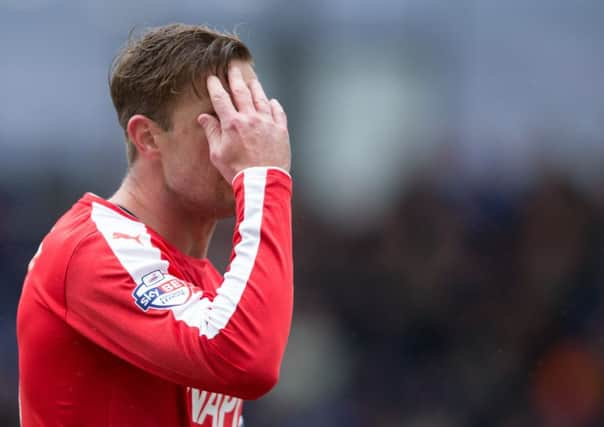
[(122, 320)]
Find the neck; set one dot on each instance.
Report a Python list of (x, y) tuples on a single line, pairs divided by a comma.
[(187, 230)]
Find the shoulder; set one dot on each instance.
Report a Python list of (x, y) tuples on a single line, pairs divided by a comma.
[(118, 249), (118, 239)]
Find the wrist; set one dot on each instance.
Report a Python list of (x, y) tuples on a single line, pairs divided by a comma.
[(259, 170)]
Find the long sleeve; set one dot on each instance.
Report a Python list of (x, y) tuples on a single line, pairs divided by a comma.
[(123, 293)]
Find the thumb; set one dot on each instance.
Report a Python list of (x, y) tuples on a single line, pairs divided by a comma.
[(211, 128)]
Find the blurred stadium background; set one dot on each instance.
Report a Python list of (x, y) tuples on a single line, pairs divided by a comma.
[(449, 197)]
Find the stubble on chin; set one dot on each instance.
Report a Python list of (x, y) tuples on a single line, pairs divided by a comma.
[(221, 205), (225, 200)]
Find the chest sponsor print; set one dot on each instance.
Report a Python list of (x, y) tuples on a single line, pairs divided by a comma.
[(215, 409)]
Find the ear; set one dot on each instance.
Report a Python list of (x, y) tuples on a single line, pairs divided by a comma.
[(142, 132)]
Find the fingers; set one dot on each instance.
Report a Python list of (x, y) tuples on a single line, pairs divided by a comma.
[(246, 98), (211, 127), (278, 113), (241, 93), (260, 101), (221, 101)]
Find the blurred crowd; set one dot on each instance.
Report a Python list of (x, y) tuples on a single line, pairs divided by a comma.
[(473, 306)]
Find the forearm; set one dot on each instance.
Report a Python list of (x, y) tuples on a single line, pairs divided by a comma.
[(262, 270)]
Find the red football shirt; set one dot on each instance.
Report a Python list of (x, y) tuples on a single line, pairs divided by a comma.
[(116, 327)]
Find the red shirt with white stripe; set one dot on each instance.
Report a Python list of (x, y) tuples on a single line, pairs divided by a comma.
[(116, 327)]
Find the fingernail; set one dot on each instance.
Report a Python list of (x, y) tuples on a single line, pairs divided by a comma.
[(203, 120)]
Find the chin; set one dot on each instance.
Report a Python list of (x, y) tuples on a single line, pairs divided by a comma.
[(216, 207), (225, 214), (225, 201), (229, 207), (222, 204)]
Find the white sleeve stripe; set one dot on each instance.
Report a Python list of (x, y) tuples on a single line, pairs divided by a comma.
[(235, 280), (139, 257), (130, 242)]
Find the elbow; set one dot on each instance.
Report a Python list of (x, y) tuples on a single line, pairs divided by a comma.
[(245, 374), (258, 381)]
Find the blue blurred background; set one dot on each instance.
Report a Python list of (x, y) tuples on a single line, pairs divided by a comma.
[(449, 197)]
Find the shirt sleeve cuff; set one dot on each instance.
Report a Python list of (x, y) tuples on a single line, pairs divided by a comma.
[(261, 168)]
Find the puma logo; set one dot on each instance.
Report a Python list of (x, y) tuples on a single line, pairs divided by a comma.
[(118, 235)]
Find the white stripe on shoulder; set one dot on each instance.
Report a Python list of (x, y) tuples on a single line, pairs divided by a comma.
[(130, 242)]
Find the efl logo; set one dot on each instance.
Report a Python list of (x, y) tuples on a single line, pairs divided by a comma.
[(160, 292)]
